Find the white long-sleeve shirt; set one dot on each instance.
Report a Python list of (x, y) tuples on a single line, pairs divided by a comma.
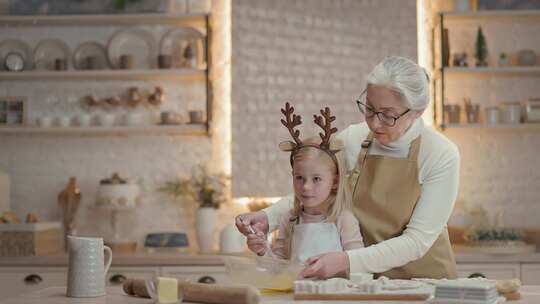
[(438, 174)]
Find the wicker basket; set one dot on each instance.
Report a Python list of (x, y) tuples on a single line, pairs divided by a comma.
[(44, 238)]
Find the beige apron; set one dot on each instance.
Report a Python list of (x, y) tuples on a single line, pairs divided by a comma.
[(385, 192)]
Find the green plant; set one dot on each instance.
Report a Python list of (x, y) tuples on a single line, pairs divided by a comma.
[(481, 48), (208, 190), (495, 234)]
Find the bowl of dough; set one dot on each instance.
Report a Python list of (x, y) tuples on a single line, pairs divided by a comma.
[(263, 272)]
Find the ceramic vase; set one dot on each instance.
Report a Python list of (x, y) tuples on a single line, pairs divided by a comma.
[(205, 226)]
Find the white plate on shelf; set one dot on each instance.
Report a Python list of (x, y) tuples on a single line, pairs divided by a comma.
[(90, 49), (133, 41), (16, 46), (47, 51), (175, 41)]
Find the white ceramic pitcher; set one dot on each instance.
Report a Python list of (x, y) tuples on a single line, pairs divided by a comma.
[(87, 270)]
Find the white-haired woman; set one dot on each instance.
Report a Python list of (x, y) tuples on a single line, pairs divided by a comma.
[(404, 178)]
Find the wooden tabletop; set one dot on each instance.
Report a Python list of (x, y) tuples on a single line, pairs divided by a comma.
[(57, 295)]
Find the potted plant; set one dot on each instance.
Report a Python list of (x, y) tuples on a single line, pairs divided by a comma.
[(503, 59), (208, 191), (481, 52)]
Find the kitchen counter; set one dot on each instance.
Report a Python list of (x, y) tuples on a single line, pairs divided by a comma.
[(56, 295), (180, 259), (139, 259)]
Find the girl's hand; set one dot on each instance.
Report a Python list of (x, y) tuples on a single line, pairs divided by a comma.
[(257, 243), (258, 221), (327, 265)]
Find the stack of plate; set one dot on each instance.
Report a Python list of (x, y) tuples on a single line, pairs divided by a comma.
[(466, 292)]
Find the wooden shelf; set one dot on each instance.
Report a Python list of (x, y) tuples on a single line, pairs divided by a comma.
[(521, 126), (180, 130), (493, 15), (195, 20), (169, 74), (493, 71)]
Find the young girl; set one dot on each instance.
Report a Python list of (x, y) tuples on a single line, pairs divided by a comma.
[(321, 220)]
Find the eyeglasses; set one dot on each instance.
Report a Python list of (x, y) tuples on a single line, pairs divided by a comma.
[(383, 117)]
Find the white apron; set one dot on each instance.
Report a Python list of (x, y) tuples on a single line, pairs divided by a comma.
[(314, 238)]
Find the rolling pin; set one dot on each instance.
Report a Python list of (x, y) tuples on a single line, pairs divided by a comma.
[(201, 293)]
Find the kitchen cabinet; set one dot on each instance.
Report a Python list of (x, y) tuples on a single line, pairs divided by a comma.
[(117, 275), (490, 271), (530, 274), (18, 280)]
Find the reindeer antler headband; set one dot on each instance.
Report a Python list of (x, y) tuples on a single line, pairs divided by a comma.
[(324, 121)]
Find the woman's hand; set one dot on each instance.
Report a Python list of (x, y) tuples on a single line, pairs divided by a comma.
[(257, 243), (327, 265), (258, 221)]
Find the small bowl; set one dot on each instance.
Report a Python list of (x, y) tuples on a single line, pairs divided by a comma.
[(106, 120), (63, 121), (44, 121), (84, 120), (263, 272), (133, 119)]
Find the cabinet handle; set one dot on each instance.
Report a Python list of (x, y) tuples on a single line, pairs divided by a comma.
[(207, 280), (117, 279), (477, 275), (32, 279)]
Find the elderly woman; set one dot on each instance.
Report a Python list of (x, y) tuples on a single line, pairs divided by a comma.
[(404, 179)]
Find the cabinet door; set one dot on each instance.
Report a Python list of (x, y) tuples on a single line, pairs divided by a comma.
[(117, 275), (15, 281), (530, 274), (197, 274), (490, 271)]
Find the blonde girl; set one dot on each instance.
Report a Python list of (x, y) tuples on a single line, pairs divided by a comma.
[(320, 220)]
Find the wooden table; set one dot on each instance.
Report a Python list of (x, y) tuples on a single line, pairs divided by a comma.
[(57, 295)]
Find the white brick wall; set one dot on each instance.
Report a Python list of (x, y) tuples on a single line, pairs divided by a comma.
[(310, 52), (500, 170)]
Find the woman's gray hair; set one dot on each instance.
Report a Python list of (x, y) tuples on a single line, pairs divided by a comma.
[(405, 77)]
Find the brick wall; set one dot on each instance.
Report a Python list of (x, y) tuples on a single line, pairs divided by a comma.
[(310, 52)]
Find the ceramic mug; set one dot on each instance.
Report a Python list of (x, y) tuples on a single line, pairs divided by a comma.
[(60, 64), (64, 121), (512, 112), (127, 62), (84, 120), (93, 63), (196, 117), (45, 121), (133, 119), (106, 120), (473, 113), (492, 115), (164, 61), (452, 113), (87, 267)]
